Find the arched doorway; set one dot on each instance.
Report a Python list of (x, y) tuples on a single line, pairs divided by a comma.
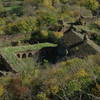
[(18, 55), (24, 55), (30, 55)]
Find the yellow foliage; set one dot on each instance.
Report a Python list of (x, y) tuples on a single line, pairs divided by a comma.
[(44, 33), (48, 3), (96, 90), (50, 81), (92, 4), (1, 90), (58, 34), (63, 63), (81, 73), (54, 89), (5, 80), (42, 96), (98, 86), (52, 86), (74, 61), (2, 30), (97, 22)]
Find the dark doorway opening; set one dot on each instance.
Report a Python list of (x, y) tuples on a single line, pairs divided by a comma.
[(30, 55), (18, 55), (24, 55)]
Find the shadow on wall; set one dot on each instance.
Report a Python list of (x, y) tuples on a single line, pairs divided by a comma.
[(52, 54), (4, 66), (1, 74)]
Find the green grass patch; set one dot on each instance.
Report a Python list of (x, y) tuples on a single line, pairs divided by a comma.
[(17, 64)]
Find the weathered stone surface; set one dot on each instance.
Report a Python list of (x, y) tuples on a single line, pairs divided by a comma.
[(78, 46)]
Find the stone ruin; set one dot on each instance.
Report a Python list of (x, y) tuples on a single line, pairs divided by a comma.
[(26, 54), (80, 45)]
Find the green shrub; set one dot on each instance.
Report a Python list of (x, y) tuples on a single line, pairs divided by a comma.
[(68, 79), (24, 25), (92, 4)]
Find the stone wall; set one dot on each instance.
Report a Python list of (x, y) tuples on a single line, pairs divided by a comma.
[(71, 38), (82, 50), (88, 20), (26, 54), (78, 46)]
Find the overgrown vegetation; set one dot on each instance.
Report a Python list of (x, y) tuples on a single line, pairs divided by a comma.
[(73, 79), (10, 54), (42, 18), (27, 22)]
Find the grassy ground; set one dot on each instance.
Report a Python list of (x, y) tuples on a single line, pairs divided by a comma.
[(88, 28), (9, 54)]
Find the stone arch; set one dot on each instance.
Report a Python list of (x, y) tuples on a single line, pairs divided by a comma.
[(18, 55), (30, 54), (24, 55)]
